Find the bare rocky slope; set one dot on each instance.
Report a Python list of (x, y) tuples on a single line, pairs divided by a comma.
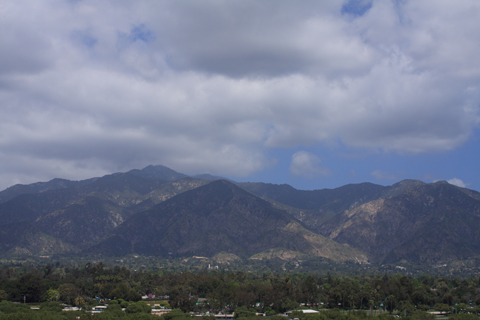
[(428, 223)]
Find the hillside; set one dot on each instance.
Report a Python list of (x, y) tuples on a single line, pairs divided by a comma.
[(218, 217), (157, 211), (427, 223), (25, 239), (82, 213)]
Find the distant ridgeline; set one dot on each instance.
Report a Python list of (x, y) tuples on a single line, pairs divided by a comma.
[(159, 212)]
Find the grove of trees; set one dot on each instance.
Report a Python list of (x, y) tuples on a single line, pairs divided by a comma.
[(247, 293)]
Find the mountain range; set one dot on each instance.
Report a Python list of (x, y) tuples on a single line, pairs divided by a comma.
[(157, 211)]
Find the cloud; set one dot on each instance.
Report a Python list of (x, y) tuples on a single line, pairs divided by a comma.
[(307, 165), (213, 86), (457, 182)]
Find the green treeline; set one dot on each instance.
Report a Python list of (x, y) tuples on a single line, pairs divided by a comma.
[(53, 311), (229, 291)]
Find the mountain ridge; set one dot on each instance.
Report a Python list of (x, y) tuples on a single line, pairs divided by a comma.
[(217, 214), (158, 211), (386, 227)]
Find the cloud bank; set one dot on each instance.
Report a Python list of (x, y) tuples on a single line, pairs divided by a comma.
[(90, 87), (307, 165)]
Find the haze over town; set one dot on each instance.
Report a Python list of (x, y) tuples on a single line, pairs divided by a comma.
[(316, 94)]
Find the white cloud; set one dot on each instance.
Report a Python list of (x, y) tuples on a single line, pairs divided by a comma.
[(457, 182), (307, 165), (210, 86)]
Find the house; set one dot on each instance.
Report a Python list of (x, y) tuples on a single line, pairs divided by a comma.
[(70, 309), (306, 311), (99, 309), (225, 316), (160, 312)]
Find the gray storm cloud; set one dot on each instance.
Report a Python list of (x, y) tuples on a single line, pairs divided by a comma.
[(89, 87)]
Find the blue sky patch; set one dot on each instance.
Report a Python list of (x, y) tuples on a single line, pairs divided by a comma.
[(85, 38), (141, 33), (356, 7)]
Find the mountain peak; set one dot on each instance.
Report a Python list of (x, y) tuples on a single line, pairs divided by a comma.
[(401, 187)]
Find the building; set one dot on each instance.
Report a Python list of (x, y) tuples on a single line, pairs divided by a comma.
[(99, 309), (306, 311), (225, 316), (160, 312)]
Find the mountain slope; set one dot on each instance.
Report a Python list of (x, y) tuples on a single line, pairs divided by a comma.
[(27, 239), (38, 187), (150, 172), (427, 223), (141, 212), (84, 222), (338, 199), (217, 217), (317, 206), (85, 213)]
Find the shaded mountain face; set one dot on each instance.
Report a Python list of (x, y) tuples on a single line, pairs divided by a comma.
[(121, 188), (427, 223), (218, 217), (69, 223), (84, 213), (318, 206), (149, 172), (125, 190), (18, 189), (26, 239), (338, 199)]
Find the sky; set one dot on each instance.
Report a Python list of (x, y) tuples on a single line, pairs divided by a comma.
[(315, 94)]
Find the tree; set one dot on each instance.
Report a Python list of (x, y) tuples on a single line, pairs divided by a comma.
[(423, 307), (448, 299), (176, 315), (244, 312), (68, 293), (10, 307), (3, 295), (123, 303), (222, 297), (418, 297), (52, 295), (405, 307), (310, 290), (371, 303), (289, 305), (31, 287), (115, 310), (51, 306), (122, 291), (183, 302), (391, 303), (442, 307), (245, 298), (139, 307), (461, 307), (79, 302)]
